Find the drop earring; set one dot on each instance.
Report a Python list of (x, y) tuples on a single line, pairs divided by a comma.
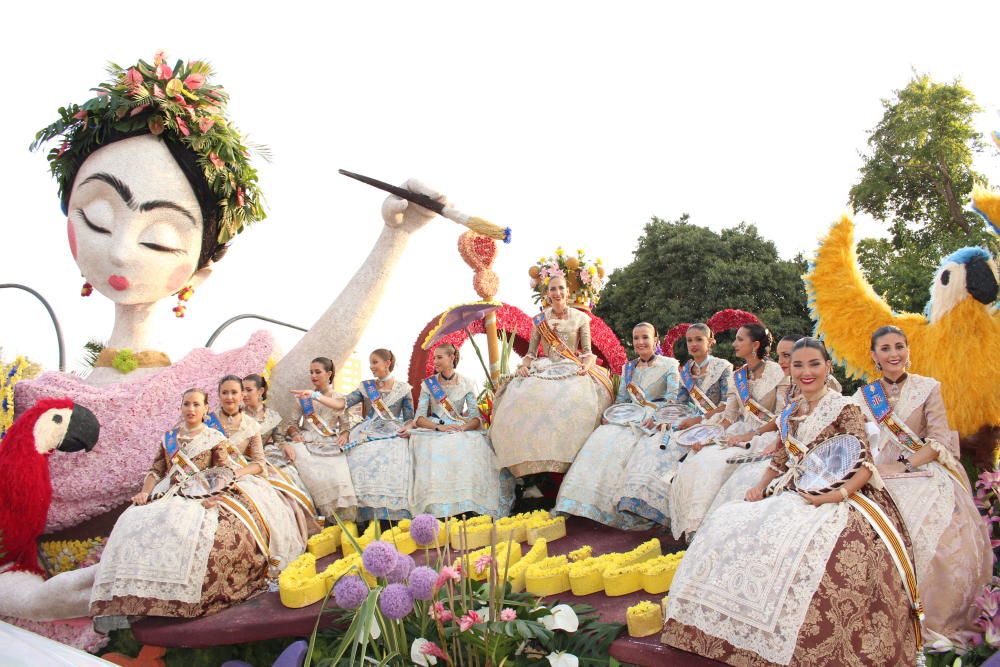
[(878, 367), (907, 364), (182, 298), (87, 289)]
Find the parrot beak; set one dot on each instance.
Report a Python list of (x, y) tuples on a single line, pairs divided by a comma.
[(82, 432), (980, 281)]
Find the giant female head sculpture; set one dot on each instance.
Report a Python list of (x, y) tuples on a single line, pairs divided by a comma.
[(154, 181)]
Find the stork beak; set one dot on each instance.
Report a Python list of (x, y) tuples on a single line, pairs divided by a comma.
[(83, 431), (980, 281)]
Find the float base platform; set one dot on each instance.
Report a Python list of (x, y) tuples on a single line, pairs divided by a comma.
[(264, 617)]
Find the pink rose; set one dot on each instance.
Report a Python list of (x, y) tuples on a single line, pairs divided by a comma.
[(163, 72), (508, 614), (194, 81), (182, 126), (205, 124)]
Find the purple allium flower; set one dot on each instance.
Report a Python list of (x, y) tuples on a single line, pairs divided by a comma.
[(379, 558), (424, 529), (404, 565), (422, 581), (395, 601), (350, 591)]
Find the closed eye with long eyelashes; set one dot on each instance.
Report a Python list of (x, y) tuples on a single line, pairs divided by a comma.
[(86, 221)]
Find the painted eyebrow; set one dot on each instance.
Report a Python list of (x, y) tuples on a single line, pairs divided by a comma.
[(126, 194)]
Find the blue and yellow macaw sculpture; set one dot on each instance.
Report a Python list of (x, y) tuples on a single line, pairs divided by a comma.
[(956, 340)]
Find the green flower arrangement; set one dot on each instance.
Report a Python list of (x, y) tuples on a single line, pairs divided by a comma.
[(177, 103), (125, 361)]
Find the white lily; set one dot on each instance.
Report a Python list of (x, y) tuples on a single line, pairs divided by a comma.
[(562, 618), (563, 659), (417, 654)]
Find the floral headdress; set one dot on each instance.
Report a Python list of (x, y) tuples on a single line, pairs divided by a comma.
[(177, 103), (584, 278)]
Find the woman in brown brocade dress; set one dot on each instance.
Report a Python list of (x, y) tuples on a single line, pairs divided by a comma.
[(796, 579), (176, 556)]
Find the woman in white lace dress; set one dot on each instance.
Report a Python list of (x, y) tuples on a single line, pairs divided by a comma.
[(593, 484), (455, 469), (793, 578), (749, 406), (542, 417), (917, 454)]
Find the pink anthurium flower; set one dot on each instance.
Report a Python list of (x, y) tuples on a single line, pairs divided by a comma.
[(182, 126), (205, 124), (163, 72), (133, 78), (194, 81), (216, 160)]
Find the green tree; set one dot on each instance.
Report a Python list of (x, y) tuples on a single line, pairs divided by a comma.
[(917, 178), (681, 272)]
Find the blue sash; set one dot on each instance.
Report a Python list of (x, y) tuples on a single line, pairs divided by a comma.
[(375, 398), (627, 372), (740, 377), (877, 401), (371, 390), (433, 386), (686, 378), (538, 319), (170, 445), (306, 404), (212, 421), (783, 420)]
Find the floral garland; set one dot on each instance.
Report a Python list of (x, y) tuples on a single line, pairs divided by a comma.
[(65, 555), (584, 279), (10, 374), (177, 103)]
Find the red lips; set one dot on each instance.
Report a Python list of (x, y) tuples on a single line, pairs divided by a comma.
[(119, 283)]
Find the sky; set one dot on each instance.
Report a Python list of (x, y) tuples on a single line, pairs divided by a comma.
[(571, 122)]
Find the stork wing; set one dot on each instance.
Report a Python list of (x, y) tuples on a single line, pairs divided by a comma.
[(846, 308)]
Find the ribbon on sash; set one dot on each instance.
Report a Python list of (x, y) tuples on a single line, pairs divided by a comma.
[(881, 409), (170, 445), (638, 393), (437, 391), (556, 343), (315, 421), (261, 534), (212, 421), (886, 530), (281, 482), (750, 405), (796, 451), (375, 398), (700, 399)]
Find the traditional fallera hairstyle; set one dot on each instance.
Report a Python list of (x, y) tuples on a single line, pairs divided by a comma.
[(812, 344), (196, 390), (705, 329), (187, 112), (231, 378), (327, 365), (656, 334), (447, 347), (790, 338), (259, 382), (387, 355), (760, 334), (885, 331)]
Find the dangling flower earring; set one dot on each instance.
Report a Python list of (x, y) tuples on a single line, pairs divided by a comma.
[(182, 297), (87, 289)]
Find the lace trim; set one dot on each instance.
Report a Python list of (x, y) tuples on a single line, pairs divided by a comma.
[(158, 551), (876, 479), (916, 389), (751, 574), (824, 414), (926, 505)]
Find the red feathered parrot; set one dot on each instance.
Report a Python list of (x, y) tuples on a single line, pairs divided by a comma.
[(25, 488)]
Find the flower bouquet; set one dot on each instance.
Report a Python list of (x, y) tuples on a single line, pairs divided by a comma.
[(584, 278), (442, 614)]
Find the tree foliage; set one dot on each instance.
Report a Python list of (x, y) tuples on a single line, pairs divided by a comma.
[(917, 178), (681, 272)]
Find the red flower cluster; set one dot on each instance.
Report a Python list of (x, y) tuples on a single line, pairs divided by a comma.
[(724, 320)]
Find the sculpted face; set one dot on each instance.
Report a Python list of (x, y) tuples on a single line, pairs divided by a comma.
[(134, 226)]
